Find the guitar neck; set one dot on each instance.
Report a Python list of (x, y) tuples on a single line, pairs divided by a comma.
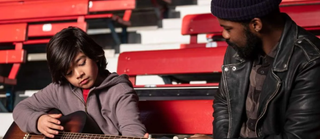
[(72, 135), (77, 125)]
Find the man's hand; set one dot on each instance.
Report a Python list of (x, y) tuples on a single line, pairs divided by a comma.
[(200, 136), (49, 125)]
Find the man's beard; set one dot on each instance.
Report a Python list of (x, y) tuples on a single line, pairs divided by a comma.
[(252, 48)]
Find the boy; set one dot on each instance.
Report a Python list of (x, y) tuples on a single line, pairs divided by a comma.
[(80, 83)]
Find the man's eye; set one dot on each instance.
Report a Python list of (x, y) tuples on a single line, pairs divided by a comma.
[(228, 29)]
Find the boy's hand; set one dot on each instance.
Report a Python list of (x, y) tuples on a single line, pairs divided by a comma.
[(49, 124), (146, 135)]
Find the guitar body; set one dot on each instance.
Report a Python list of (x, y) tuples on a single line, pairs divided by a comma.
[(77, 122)]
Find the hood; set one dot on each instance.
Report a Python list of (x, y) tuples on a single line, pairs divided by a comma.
[(113, 79)]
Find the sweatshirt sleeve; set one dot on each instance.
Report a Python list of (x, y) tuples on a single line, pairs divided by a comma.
[(27, 112), (127, 113)]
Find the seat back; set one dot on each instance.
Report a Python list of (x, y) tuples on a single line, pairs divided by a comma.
[(207, 61)]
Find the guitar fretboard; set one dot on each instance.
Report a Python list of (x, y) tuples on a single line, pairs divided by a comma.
[(71, 135)]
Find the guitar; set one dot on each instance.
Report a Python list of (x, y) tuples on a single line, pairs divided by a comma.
[(77, 125)]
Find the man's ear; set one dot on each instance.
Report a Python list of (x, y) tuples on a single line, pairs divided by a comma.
[(255, 25)]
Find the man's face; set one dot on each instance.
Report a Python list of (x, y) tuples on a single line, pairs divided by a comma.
[(83, 72), (239, 37)]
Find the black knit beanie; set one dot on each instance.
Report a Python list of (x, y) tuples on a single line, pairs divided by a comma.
[(243, 10)]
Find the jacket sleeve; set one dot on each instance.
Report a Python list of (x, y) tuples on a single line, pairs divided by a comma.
[(27, 112), (220, 105), (303, 111), (127, 113), (220, 114)]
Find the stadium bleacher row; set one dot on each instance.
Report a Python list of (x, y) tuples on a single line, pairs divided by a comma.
[(175, 77), (26, 25)]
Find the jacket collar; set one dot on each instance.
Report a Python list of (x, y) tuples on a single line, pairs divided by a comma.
[(286, 45)]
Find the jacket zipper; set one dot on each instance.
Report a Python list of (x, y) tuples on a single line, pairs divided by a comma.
[(85, 104), (265, 108)]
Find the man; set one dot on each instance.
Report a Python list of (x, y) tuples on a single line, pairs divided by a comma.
[(270, 84)]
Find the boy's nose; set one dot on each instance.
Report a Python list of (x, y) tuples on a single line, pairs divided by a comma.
[(79, 74)]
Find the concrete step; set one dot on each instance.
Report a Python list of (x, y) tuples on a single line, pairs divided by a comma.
[(149, 80), (112, 63), (119, 30), (146, 47), (185, 10), (109, 53), (203, 2), (6, 121), (174, 23), (166, 36)]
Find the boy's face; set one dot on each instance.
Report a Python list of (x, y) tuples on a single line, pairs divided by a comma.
[(83, 72)]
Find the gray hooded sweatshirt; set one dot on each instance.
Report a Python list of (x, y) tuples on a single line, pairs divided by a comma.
[(113, 105)]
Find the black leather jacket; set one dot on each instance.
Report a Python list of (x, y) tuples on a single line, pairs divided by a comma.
[(290, 99)]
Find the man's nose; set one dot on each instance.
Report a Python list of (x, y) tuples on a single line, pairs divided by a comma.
[(225, 34)]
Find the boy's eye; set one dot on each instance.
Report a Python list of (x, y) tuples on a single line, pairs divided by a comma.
[(83, 63), (68, 73)]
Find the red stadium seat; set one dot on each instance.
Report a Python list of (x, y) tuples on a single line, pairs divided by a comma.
[(175, 108), (172, 62)]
